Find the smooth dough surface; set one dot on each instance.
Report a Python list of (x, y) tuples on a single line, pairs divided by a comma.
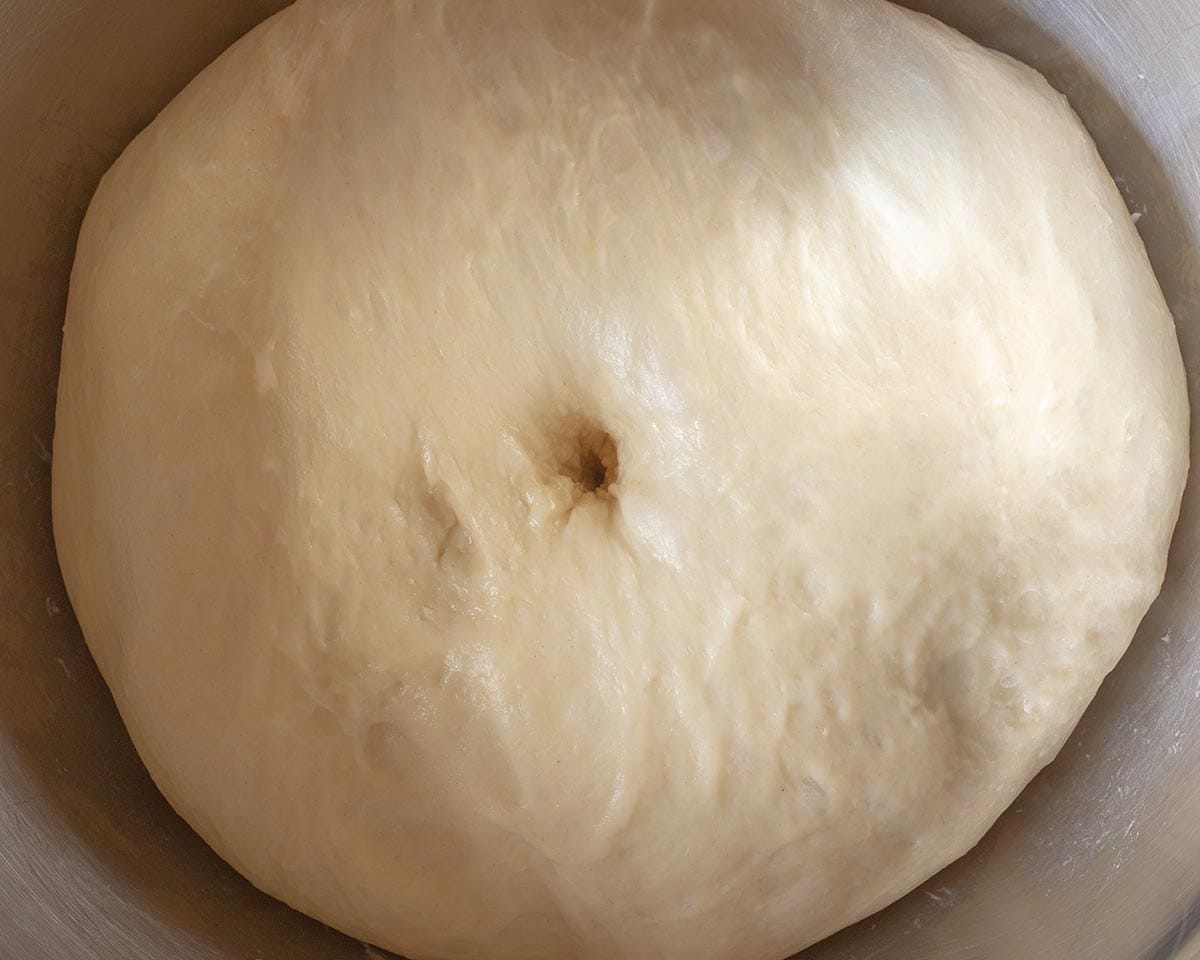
[(838, 312)]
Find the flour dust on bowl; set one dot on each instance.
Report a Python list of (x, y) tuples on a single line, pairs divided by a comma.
[(387, 530)]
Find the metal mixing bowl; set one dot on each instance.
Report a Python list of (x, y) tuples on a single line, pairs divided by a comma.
[(1098, 859)]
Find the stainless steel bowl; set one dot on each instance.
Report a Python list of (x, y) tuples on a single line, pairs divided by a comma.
[(1098, 860)]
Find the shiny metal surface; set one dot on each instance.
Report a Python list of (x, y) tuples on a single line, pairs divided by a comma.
[(1099, 858)]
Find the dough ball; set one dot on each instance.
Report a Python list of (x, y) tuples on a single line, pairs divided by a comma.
[(609, 480)]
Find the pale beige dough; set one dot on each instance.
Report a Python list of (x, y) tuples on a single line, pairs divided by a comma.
[(841, 314)]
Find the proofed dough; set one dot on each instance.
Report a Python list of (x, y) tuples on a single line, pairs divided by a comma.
[(609, 480)]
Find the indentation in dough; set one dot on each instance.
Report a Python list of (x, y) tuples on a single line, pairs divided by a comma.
[(452, 537), (586, 454)]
